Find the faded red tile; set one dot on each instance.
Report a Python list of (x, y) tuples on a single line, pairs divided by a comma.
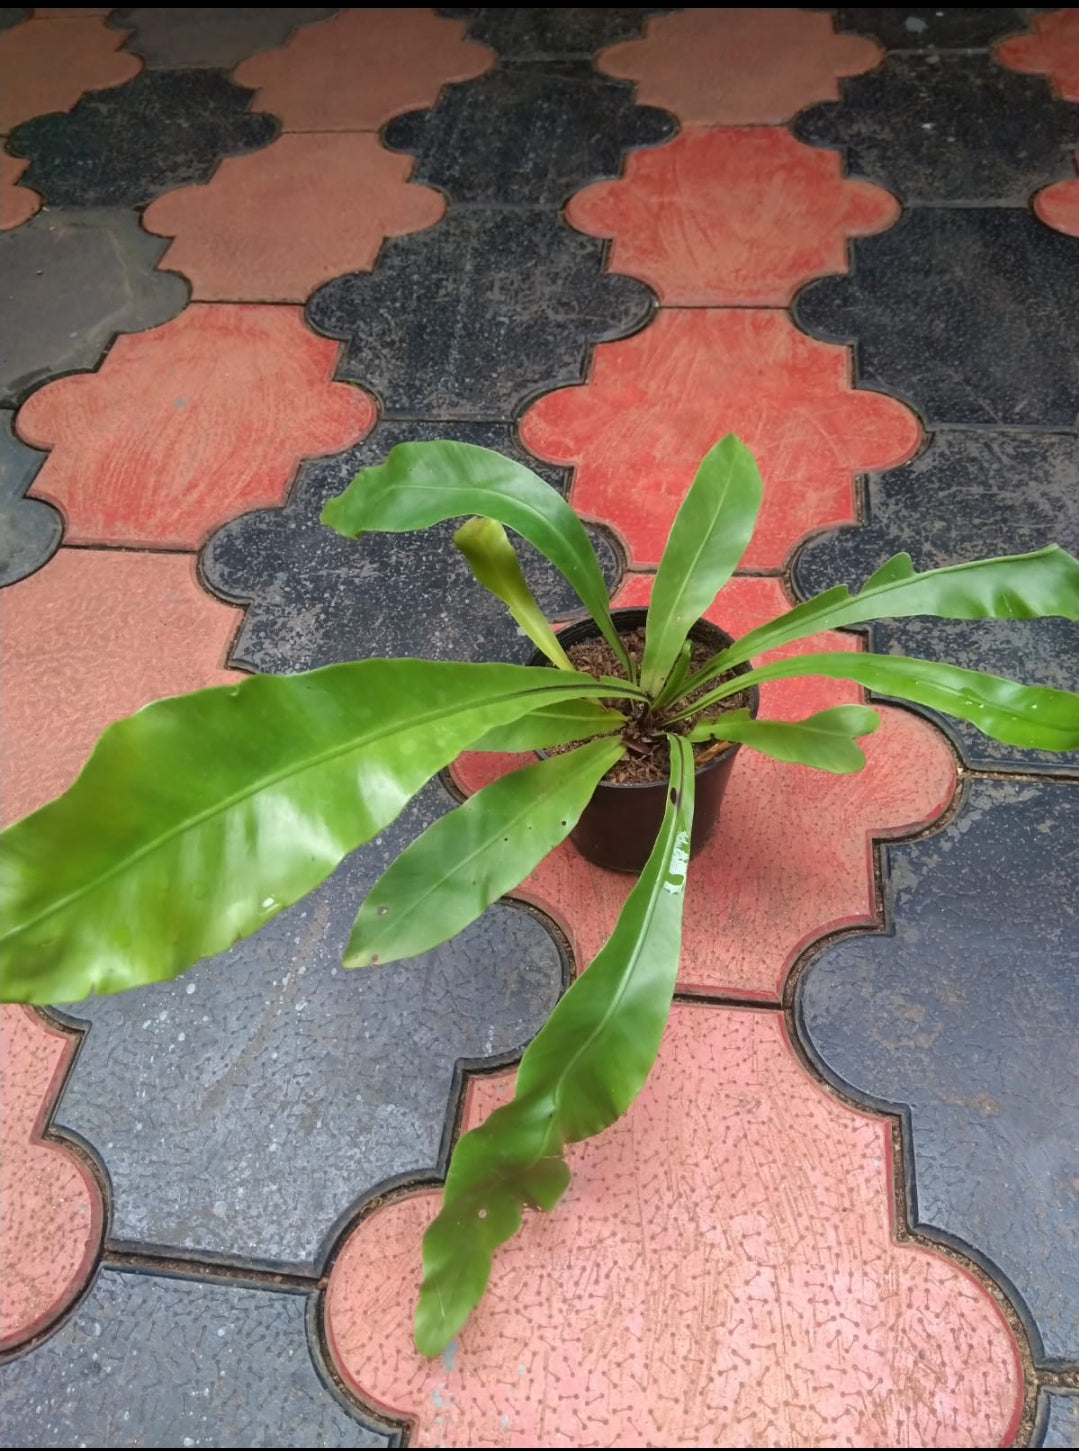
[(791, 859), (721, 1272), (737, 67), (726, 215), (17, 203), (1052, 50), (51, 1214), (46, 63), (657, 401), (93, 636), (273, 225), (359, 68), (1058, 206), (188, 424)]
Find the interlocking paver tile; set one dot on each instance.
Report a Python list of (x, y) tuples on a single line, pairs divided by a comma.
[(356, 70), (953, 128), (123, 146), (112, 629), (71, 281), (30, 530), (791, 859), (1052, 50), (529, 135), (729, 215), (314, 598), (964, 1013), (918, 29), (655, 402), (980, 330), (272, 226), (148, 1360), (1058, 206), (1060, 1417), (45, 65), (173, 38), (970, 494), (51, 1214), (721, 1271), (190, 423), (534, 302), (17, 203), (526, 33), (737, 66)]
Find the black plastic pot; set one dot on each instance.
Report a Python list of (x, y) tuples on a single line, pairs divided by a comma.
[(618, 827)]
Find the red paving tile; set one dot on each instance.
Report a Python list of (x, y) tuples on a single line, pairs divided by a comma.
[(721, 1272), (91, 637), (272, 226), (1052, 50), (189, 424), (1058, 206), (729, 215), (738, 67), (47, 63), (17, 203), (791, 859), (359, 68), (657, 401), (51, 1214)]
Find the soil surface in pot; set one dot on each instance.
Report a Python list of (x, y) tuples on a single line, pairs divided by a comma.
[(647, 756)]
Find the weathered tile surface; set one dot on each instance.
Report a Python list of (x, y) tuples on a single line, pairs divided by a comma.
[(71, 280), (534, 303), (979, 331), (314, 598), (30, 530), (729, 215), (1051, 50), (964, 1014), (1059, 1418), (953, 128), (151, 1361), (655, 403), (188, 424), (527, 135), (173, 38), (272, 226), (17, 203), (526, 33), (970, 494), (362, 66), (121, 147), (927, 29), (45, 65), (1058, 206), (720, 1272), (738, 66)]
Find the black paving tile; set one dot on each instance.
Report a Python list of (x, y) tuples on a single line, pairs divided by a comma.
[(968, 314), (12, 15), (122, 146), (151, 1361), (1058, 1419), (69, 282), (969, 494), (954, 128), (932, 29), (529, 135), (30, 530), (477, 316), (181, 38), (527, 33), (964, 1013)]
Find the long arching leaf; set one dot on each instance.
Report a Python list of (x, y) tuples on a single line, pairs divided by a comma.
[(824, 740), (424, 483), (198, 818), (580, 1073), (552, 725), (707, 539), (466, 860)]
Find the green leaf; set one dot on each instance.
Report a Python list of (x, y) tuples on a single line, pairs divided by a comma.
[(552, 725), (1010, 587), (200, 817), (1034, 716), (468, 858), (824, 740), (580, 1073), (424, 483), (493, 561), (707, 539)]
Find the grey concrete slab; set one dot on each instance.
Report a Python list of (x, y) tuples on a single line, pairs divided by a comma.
[(30, 529)]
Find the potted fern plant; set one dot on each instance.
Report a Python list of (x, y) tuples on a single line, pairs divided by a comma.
[(200, 817)]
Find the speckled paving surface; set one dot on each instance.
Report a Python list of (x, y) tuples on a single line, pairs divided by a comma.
[(244, 252)]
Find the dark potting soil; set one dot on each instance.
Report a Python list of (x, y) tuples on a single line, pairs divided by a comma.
[(647, 755)]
